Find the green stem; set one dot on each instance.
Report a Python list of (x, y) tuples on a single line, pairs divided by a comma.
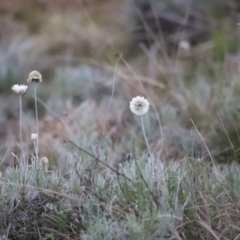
[(20, 125), (144, 134), (36, 110)]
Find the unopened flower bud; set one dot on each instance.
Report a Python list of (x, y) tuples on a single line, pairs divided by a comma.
[(34, 136), (34, 76)]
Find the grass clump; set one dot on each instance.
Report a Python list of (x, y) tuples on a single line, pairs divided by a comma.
[(142, 198)]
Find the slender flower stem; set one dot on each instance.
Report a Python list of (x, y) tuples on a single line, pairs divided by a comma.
[(20, 125), (36, 110), (144, 134)]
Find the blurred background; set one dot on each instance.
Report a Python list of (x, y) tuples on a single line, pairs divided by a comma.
[(180, 54)]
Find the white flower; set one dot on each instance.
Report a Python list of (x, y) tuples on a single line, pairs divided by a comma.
[(139, 105), (19, 89), (34, 76), (185, 45), (34, 136)]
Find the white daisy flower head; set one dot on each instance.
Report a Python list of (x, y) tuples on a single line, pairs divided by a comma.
[(34, 136), (19, 89), (139, 105), (34, 76)]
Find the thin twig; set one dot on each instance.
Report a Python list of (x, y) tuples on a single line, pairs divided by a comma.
[(113, 89), (153, 197), (205, 145), (98, 160), (207, 227)]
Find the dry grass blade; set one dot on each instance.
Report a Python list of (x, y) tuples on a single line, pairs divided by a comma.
[(208, 228)]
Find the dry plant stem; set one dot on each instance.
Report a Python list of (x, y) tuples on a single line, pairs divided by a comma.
[(144, 134), (98, 160), (113, 90), (209, 153), (36, 110), (153, 197)]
